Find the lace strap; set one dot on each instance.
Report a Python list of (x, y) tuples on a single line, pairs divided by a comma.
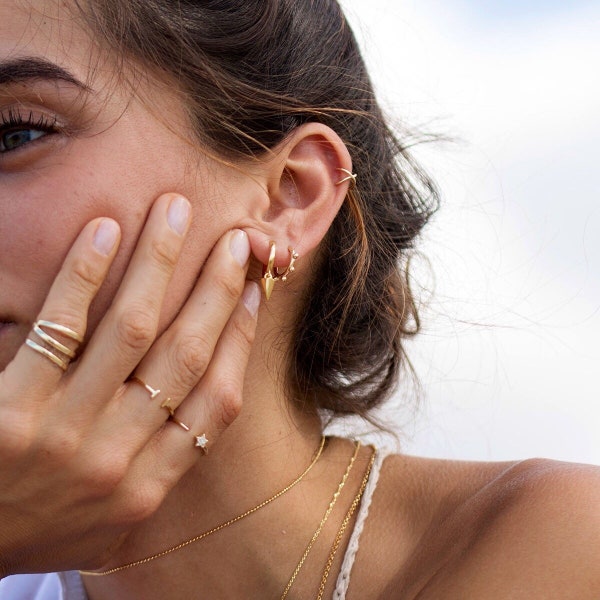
[(343, 580)]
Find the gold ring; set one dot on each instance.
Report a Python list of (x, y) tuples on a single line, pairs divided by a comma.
[(167, 404), (54, 350), (153, 392), (201, 441)]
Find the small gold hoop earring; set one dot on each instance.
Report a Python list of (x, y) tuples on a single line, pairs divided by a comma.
[(349, 177), (271, 273), (290, 268)]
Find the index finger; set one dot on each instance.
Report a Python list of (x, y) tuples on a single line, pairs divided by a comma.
[(66, 306)]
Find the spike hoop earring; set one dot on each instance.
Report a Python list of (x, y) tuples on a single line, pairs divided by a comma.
[(271, 273), (350, 176)]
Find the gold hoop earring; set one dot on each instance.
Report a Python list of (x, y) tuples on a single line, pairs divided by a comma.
[(350, 176), (271, 273)]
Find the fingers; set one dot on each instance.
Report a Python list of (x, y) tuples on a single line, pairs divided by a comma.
[(209, 408), (181, 357), (130, 325), (216, 401), (67, 304)]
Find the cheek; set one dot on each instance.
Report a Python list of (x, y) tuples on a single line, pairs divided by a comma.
[(45, 209)]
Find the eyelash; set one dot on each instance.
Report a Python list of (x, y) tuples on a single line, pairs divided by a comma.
[(13, 119)]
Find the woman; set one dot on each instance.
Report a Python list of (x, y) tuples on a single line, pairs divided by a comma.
[(159, 423)]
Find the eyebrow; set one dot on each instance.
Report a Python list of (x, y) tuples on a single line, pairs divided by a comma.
[(21, 70)]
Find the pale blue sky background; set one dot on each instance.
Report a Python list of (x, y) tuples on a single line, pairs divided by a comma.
[(512, 10), (510, 353)]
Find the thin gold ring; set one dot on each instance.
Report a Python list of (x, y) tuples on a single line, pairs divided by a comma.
[(178, 422), (52, 342), (60, 328), (201, 441), (167, 404), (153, 392), (63, 364)]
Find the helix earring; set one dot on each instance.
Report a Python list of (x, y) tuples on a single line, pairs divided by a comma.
[(271, 273), (349, 177)]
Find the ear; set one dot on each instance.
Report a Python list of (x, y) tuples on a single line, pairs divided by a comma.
[(305, 192)]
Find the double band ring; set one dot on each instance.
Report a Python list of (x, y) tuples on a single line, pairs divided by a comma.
[(53, 350)]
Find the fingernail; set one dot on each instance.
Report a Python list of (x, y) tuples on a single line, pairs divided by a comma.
[(178, 215), (240, 246), (251, 298), (106, 236)]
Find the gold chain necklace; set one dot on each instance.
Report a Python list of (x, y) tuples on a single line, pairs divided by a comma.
[(340, 534), (201, 536), (322, 523)]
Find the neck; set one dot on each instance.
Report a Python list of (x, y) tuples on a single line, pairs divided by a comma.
[(254, 557), (267, 447)]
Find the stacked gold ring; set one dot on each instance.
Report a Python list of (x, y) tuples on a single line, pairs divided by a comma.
[(54, 350)]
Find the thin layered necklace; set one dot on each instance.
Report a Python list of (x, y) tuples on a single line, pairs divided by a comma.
[(247, 513)]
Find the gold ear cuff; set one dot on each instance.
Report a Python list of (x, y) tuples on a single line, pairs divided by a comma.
[(349, 177)]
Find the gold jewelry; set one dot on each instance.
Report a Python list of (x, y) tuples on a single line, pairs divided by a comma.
[(271, 273), (153, 393), (167, 404), (350, 176), (316, 534), (201, 440), (63, 354), (340, 534), (201, 536)]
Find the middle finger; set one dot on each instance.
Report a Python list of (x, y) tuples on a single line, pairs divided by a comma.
[(182, 354)]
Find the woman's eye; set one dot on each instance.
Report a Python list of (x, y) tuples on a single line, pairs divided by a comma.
[(11, 140)]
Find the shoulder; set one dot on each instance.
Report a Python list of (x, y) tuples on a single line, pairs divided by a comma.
[(537, 533), (494, 530)]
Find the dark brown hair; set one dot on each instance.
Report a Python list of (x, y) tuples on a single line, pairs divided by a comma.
[(253, 70)]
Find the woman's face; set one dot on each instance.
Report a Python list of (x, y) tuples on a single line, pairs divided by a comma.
[(75, 144)]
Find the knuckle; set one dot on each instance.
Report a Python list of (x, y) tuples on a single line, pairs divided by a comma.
[(191, 359), (244, 332), (136, 328), (230, 403), (164, 254), (84, 277), (62, 445), (229, 286), (142, 502), (104, 476), (17, 437)]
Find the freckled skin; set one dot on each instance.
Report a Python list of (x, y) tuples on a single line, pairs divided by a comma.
[(124, 153)]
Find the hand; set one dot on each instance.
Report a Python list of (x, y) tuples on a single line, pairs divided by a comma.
[(83, 455)]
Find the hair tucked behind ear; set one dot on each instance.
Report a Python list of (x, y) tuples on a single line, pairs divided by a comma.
[(252, 71)]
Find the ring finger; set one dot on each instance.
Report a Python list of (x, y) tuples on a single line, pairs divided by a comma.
[(181, 356)]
